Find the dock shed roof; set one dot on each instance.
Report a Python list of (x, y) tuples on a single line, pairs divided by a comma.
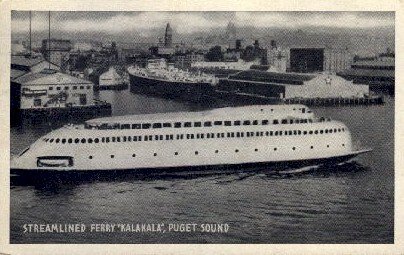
[(368, 73), (272, 77), (50, 77), (25, 61), (374, 63), (14, 73)]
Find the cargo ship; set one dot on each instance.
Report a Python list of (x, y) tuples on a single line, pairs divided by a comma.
[(162, 79)]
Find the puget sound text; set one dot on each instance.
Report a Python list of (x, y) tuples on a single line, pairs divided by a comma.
[(127, 227)]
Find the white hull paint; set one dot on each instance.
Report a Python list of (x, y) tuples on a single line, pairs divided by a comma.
[(291, 146)]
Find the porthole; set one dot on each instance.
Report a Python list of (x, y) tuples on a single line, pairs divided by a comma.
[(294, 148), (57, 140), (256, 150), (311, 147), (90, 140), (275, 149), (90, 157), (51, 140), (196, 152), (155, 154), (343, 144), (133, 155), (236, 150), (176, 153), (328, 146), (76, 140), (83, 140), (63, 140), (69, 140), (316, 132), (96, 140), (216, 151), (112, 156)]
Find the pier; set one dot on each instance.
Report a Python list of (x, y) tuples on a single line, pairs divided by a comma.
[(57, 114), (335, 101), (259, 99)]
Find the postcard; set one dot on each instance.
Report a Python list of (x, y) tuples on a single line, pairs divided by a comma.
[(201, 127)]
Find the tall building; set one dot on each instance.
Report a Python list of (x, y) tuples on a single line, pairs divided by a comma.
[(238, 44), (185, 60), (57, 51), (166, 49), (277, 58), (168, 37), (306, 60), (336, 60), (252, 52), (311, 60), (231, 31)]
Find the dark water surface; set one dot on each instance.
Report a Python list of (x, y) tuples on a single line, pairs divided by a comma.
[(353, 203)]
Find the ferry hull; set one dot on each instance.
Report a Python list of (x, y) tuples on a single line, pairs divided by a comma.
[(175, 90), (270, 166)]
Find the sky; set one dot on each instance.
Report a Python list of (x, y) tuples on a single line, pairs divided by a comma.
[(190, 22)]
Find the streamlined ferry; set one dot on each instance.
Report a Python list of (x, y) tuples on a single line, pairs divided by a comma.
[(273, 135)]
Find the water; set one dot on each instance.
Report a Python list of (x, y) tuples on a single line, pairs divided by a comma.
[(353, 203)]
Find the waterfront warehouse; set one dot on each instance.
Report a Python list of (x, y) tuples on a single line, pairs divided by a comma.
[(292, 85)]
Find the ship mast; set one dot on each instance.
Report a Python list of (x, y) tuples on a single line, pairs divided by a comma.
[(30, 35), (49, 53)]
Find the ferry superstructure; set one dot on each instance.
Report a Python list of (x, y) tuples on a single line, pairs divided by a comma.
[(163, 79), (248, 135)]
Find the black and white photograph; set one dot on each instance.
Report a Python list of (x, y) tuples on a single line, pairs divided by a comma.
[(202, 127)]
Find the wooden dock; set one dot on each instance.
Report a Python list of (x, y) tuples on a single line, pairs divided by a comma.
[(376, 100), (259, 99), (62, 114)]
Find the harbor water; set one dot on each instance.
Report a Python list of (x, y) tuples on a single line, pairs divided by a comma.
[(352, 203)]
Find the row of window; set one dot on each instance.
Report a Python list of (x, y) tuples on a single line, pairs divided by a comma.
[(217, 151), (73, 87), (198, 124), (192, 136)]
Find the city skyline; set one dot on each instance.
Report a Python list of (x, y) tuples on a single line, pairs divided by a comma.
[(145, 22)]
